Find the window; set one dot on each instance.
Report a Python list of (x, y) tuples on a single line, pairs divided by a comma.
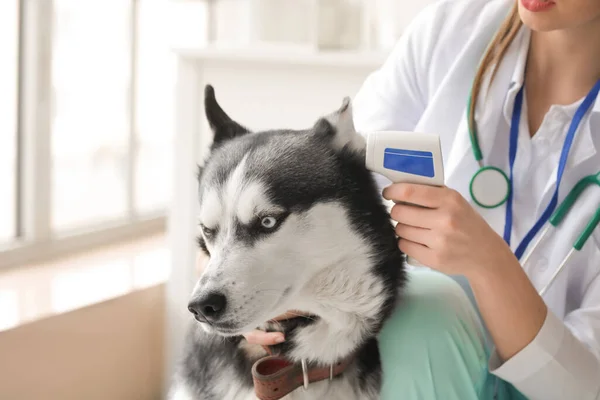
[(9, 56), (155, 73), (91, 83), (89, 163)]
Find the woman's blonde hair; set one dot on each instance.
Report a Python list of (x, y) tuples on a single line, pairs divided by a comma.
[(492, 57)]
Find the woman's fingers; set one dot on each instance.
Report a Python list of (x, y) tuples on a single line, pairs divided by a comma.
[(271, 338), (417, 251), (414, 234), (422, 195), (414, 216), (264, 338)]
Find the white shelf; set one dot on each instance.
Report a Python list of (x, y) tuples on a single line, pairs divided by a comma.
[(283, 56)]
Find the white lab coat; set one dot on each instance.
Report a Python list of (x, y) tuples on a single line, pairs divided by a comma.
[(423, 87)]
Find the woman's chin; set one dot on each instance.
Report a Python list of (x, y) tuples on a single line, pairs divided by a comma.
[(541, 23)]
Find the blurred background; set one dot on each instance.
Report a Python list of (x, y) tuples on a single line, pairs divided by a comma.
[(101, 125)]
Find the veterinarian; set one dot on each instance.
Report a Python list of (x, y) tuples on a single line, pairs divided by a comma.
[(511, 87)]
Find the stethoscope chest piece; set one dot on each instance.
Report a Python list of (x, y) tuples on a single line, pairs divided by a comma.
[(489, 187)]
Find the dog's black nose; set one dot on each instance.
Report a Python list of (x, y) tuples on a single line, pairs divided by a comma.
[(208, 308)]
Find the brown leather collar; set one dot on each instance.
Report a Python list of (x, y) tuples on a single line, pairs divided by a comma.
[(275, 377)]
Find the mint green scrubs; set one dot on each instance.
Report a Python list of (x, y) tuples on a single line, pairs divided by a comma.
[(435, 346)]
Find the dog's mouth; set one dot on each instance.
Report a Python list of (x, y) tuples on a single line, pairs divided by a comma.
[(226, 330), (289, 324), (221, 328), (236, 326)]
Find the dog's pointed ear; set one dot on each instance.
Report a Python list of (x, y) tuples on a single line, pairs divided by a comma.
[(339, 125), (223, 127)]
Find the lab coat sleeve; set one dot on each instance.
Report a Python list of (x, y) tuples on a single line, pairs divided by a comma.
[(563, 360)]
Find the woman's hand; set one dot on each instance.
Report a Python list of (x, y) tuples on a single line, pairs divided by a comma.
[(448, 234), (264, 338), (270, 338)]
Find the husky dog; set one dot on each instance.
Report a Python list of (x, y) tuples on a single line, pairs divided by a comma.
[(290, 220)]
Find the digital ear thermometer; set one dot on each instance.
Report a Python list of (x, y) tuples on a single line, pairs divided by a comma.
[(410, 157), (406, 157)]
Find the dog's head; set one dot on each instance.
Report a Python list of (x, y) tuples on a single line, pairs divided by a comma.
[(277, 209)]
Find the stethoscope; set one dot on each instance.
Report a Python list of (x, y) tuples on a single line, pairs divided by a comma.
[(490, 187)]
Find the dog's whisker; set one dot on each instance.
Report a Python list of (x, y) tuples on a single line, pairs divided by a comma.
[(273, 295), (256, 285), (268, 290)]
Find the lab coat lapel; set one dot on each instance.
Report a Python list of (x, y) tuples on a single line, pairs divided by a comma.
[(584, 148), (461, 164)]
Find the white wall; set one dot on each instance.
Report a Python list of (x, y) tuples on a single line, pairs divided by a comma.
[(371, 24)]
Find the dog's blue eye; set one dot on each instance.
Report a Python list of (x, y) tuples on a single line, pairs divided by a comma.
[(207, 231), (268, 222)]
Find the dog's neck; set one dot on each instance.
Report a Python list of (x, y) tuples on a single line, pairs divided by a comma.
[(345, 307)]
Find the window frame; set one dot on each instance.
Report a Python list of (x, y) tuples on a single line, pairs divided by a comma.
[(16, 112), (35, 241)]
